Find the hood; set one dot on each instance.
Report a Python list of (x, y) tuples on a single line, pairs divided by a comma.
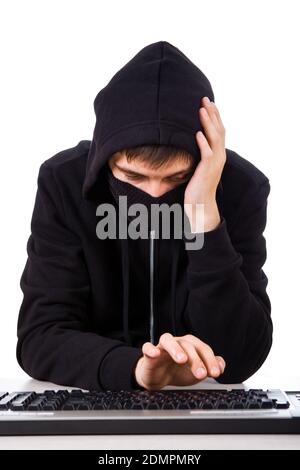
[(153, 99)]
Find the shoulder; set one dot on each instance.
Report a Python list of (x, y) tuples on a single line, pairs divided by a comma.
[(240, 169), (243, 185), (66, 169), (68, 160)]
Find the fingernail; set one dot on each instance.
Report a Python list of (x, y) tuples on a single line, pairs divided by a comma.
[(215, 370), (180, 356), (205, 113), (200, 372)]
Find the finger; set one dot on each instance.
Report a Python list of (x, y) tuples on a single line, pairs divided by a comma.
[(195, 363), (212, 131), (211, 109), (150, 350), (217, 114), (222, 363), (168, 343), (215, 117), (207, 355), (205, 149), (210, 361), (207, 155)]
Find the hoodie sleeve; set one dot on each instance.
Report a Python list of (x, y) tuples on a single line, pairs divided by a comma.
[(54, 342), (228, 307)]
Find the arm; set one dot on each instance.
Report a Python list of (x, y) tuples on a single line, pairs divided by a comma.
[(54, 341), (228, 307)]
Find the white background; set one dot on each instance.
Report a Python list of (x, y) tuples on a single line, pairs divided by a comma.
[(57, 55)]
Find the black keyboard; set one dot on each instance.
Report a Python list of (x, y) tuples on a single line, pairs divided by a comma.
[(164, 411), (142, 400)]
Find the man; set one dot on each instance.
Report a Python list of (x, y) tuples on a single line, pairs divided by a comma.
[(121, 313)]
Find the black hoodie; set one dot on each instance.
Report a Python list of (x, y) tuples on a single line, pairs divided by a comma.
[(90, 304)]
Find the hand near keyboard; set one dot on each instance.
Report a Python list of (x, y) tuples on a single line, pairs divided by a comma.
[(177, 360)]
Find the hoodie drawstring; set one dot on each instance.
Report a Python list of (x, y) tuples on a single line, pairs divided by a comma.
[(125, 273), (175, 257)]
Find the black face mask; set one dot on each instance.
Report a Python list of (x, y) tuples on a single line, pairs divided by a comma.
[(136, 195)]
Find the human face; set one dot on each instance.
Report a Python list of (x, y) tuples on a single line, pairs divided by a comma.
[(155, 182)]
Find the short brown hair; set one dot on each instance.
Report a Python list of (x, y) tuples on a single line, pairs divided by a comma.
[(157, 155)]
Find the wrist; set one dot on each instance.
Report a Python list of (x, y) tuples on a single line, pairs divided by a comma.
[(211, 220), (203, 217)]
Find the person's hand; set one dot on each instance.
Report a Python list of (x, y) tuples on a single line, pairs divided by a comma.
[(203, 184), (176, 360)]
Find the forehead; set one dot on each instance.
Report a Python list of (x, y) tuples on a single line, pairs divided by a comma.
[(174, 164)]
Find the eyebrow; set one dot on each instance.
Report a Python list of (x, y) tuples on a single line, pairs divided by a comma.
[(187, 171)]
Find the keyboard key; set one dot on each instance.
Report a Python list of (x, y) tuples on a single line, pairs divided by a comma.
[(5, 401), (19, 403)]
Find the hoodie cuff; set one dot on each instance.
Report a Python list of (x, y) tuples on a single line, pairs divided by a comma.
[(217, 253), (117, 369)]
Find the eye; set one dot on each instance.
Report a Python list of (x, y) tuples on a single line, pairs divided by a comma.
[(133, 177), (178, 179)]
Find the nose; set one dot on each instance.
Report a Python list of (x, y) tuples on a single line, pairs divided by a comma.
[(156, 188)]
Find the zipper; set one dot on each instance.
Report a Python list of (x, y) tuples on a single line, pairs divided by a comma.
[(152, 237)]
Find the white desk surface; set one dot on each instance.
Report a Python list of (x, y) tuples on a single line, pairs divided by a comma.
[(148, 442)]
